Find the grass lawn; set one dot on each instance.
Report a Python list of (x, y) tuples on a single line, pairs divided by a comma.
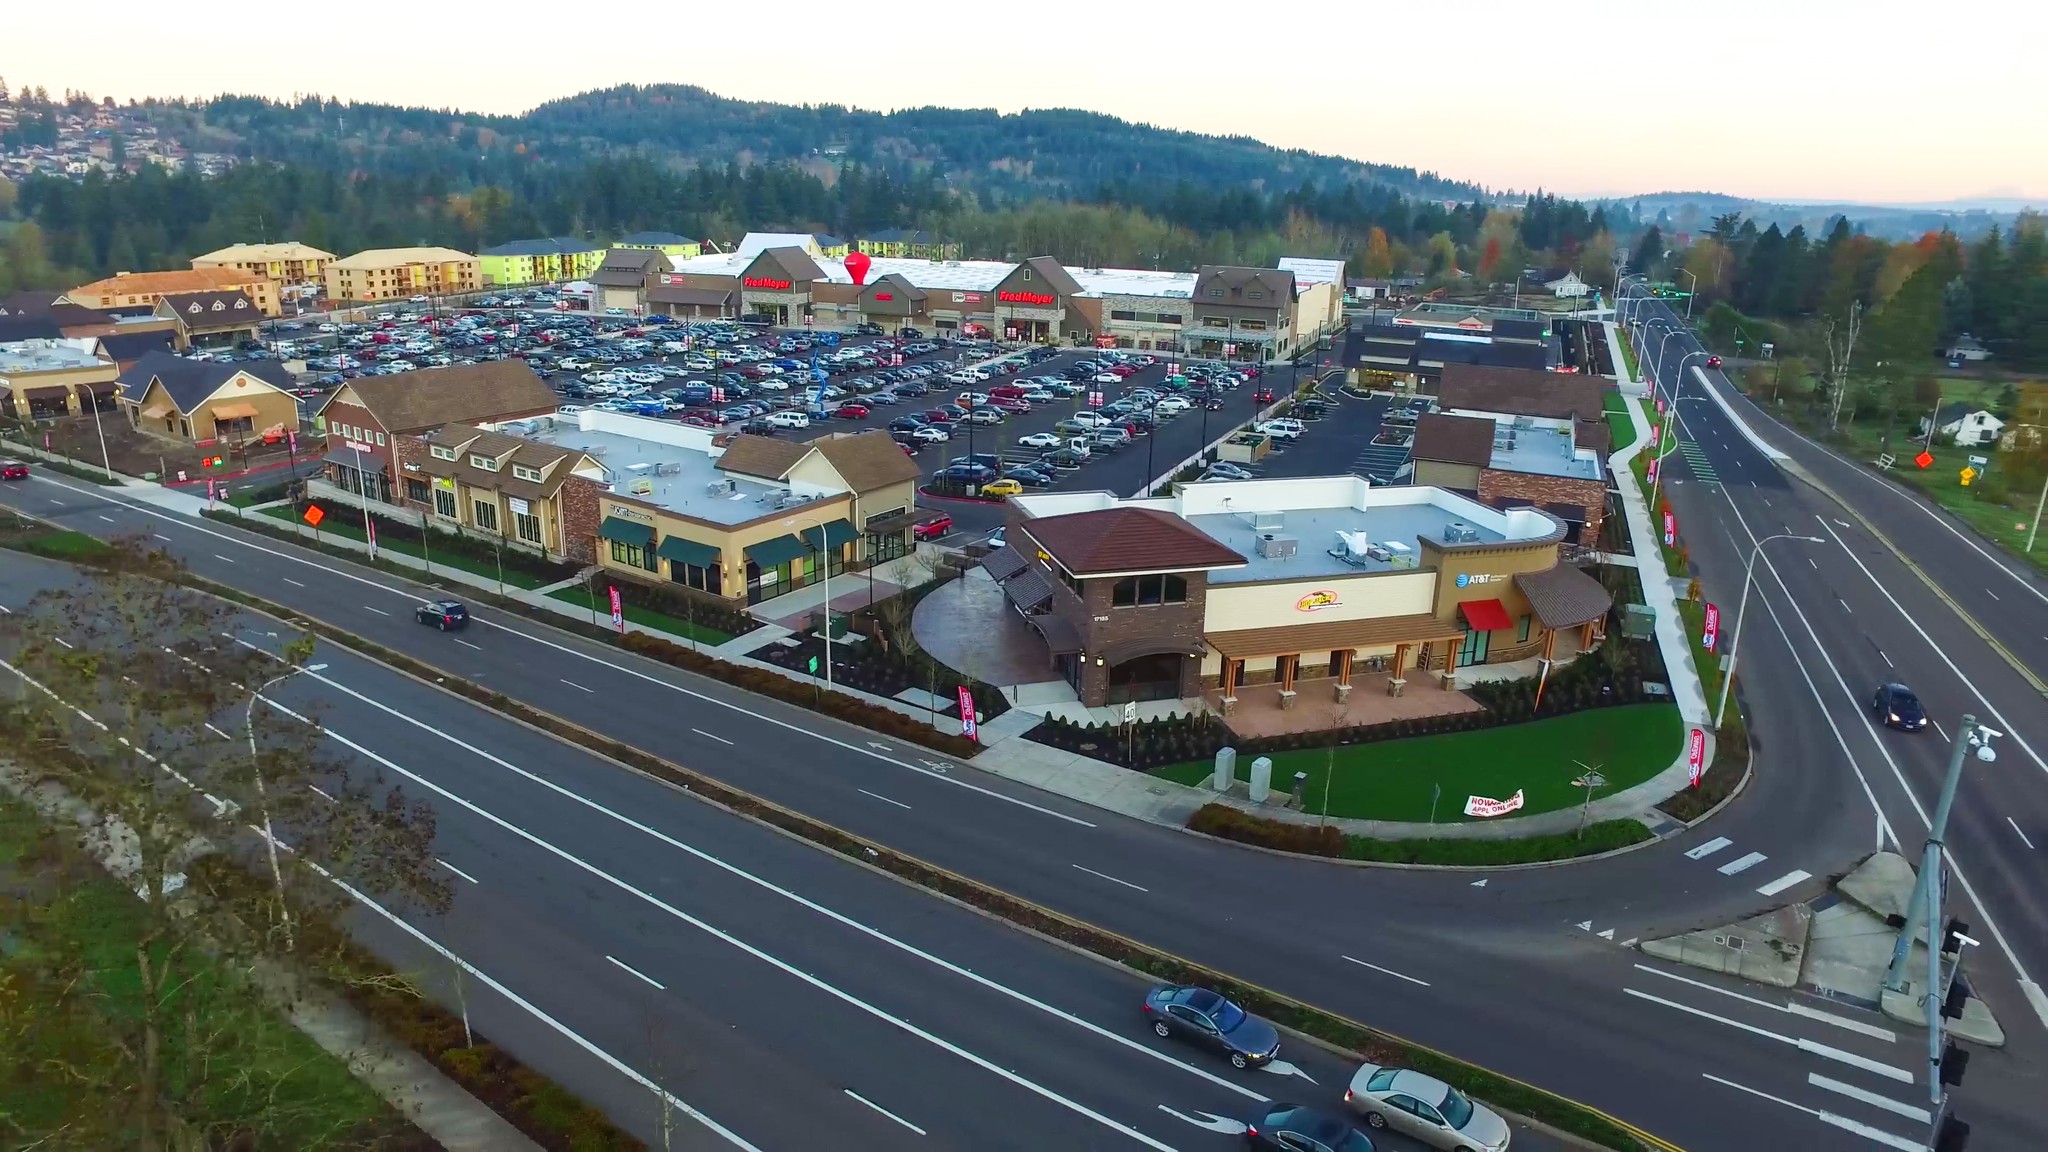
[(1694, 614), (647, 617), (1628, 353), (265, 1073), (1618, 422), (338, 524), (1391, 780), (61, 544)]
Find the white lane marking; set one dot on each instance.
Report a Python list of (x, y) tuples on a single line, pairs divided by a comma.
[(1829, 1118), (1887, 659), (467, 644), (1814, 1047), (54, 500), (378, 611), (5, 610), (1387, 971), (710, 736), (1709, 848), (217, 732), (108, 519), (1940, 729), (66, 643), (1990, 593), (1865, 1095), (182, 522), (1742, 864), (321, 793), (1811, 564), (578, 687), (1112, 879), (2023, 835), (534, 1010), (884, 1111), (286, 579), (883, 799), (832, 914), (454, 869), (1790, 1007), (1784, 882), (222, 559), (160, 536), (635, 971)]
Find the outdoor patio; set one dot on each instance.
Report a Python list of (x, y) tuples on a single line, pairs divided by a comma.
[(969, 627), (1258, 711)]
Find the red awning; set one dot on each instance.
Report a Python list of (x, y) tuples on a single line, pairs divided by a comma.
[(1485, 615)]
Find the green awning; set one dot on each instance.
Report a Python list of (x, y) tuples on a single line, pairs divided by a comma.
[(777, 551), (626, 532), (838, 533), (681, 551)]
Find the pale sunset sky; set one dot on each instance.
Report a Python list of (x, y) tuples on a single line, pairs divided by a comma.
[(1879, 101)]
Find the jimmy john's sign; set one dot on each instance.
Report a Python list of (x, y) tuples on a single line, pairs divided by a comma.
[(1318, 600)]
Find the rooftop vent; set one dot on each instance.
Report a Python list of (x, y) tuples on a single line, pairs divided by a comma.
[(1459, 532), (1278, 547), (1268, 521)]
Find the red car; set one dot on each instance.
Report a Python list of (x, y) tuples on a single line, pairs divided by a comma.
[(1713, 361), (851, 411), (937, 416), (933, 528), (1262, 396), (1121, 369), (1009, 404), (13, 470)]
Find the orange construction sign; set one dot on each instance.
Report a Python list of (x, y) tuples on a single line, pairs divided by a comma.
[(314, 514)]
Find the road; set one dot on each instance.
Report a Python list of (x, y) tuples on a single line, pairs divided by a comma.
[(1850, 615), (1524, 972)]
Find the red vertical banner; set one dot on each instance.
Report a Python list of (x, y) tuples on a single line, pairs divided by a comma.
[(1650, 470), (1670, 528), (1696, 756), (1710, 632), (618, 610), (969, 726)]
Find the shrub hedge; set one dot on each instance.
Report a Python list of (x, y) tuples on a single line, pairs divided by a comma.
[(1228, 823)]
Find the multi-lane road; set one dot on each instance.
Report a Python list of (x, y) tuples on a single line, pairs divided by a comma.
[(592, 886)]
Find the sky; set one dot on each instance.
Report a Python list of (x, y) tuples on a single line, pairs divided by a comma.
[(1877, 101)]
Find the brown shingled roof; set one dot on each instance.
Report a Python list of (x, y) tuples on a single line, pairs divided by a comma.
[(1454, 439), (763, 456), (1128, 540), (1521, 391), (462, 394), (1564, 597), (867, 460)]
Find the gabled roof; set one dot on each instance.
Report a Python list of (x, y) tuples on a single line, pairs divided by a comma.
[(412, 402), (390, 257), (29, 327), (1521, 392), (160, 283), (1054, 273), (1111, 540), (901, 285), (544, 246), (1454, 439), (189, 382), (263, 253), (628, 267), (795, 263), (654, 238), (899, 236), (1276, 283), (508, 450), (210, 309), (764, 457), (123, 347), (1594, 434), (866, 460), (1564, 597)]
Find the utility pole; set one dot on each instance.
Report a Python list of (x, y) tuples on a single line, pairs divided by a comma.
[(1969, 736)]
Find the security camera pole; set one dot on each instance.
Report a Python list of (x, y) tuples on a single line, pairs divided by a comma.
[(1968, 737)]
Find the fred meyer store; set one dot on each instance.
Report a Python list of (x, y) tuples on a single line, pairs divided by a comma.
[(1294, 583)]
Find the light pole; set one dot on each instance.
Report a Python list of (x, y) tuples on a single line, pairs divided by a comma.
[(1689, 296), (1657, 368), (363, 489), (1969, 736), (1741, 608), (284, 911), (106, 462), (825, 566)]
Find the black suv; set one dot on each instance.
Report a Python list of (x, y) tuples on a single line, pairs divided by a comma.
[(447, 615)]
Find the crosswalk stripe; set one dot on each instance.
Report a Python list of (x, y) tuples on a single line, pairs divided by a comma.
[(1784, 882), (1709, 848), (1742, 864)]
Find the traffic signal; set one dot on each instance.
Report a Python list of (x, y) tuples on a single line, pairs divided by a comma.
[(213, 462), (1958, 995), (1954, 1062), (1952, 936), (1950, 1135)]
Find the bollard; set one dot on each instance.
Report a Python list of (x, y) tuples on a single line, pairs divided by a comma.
[(1262, 779), (1226, 769)]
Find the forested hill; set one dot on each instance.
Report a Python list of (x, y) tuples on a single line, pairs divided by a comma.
[(1051, 152)]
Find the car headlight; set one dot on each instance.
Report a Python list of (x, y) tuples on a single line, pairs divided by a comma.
[(1892, 716)]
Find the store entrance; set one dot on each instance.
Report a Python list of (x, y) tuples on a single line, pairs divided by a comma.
[(1154, 677), (1018, 330)]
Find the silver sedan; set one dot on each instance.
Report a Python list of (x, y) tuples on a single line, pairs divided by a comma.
[(1425, 1108)]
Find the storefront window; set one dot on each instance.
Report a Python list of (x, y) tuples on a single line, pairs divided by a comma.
[(444, 503), (486, 515), (1522, 630), (1143, 591), (704, 579), (632, 556), (528, 527)]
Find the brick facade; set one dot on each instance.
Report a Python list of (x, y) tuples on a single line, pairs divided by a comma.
[(577, 501), (1500, 488)]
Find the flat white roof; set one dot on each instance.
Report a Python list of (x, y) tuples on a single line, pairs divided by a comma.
[(1310, 270), (673, 466), (755, 243), (1135, 282)]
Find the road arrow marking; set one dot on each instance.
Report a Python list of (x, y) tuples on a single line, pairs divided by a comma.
[(879, 746), (1209, 1120), (1479, 883), (1585, 925), (1629, 943), (1607, 934), (1283, 1068), (934, 765)]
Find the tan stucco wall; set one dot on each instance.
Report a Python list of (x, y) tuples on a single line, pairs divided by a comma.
[(1236, 607)]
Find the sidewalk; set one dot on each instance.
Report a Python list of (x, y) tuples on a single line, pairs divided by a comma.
[(1686, 688), (1630, 386)]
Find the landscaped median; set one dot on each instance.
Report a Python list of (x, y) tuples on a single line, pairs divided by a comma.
[(1361, 1040)]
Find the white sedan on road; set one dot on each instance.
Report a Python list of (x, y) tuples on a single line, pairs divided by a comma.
[(1040, 440)]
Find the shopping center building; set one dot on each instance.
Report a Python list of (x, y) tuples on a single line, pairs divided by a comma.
[(1288, 583), (795, 281)]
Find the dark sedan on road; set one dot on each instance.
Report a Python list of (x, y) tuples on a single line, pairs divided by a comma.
[(1207, 1018), (1897, 707), (446, 615), (1296, 1128)]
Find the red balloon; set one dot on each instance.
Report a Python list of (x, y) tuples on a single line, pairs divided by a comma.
[(857, 266)]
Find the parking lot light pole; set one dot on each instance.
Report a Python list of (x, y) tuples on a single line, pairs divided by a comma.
[(1741, 609), (825, 567)]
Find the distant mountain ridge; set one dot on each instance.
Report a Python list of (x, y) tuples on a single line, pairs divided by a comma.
[(1694, 211)]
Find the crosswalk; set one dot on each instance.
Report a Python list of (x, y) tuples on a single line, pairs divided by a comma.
[(1696, 459), (1711, 852)]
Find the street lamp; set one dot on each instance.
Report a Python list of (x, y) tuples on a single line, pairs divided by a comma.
[(1657, 367), (1735, 637), (263, 796), (1689, 296), (825, 563)]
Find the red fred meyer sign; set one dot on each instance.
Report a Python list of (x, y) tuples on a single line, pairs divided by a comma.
[(1710, 630), (1038, 298), (765, 282), (1696, 755)]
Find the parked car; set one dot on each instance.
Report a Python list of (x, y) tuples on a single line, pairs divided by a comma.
[(852, 411), (1030, 477), (787, 419), (446, 615), (931, 434), (1205, 1017), (1040, 440), (1225, 470), (1296, 1128), (1282, 429), (932, 527), (1897, 707), (999, 537), (1425, 1108)]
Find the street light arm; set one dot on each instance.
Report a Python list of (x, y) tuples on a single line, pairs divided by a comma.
[(1742, 610)]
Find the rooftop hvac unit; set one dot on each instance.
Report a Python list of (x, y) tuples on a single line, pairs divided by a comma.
[(1278, 547), (1459, 532), (1268, 521), (1355, 545), (1525, 422)]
